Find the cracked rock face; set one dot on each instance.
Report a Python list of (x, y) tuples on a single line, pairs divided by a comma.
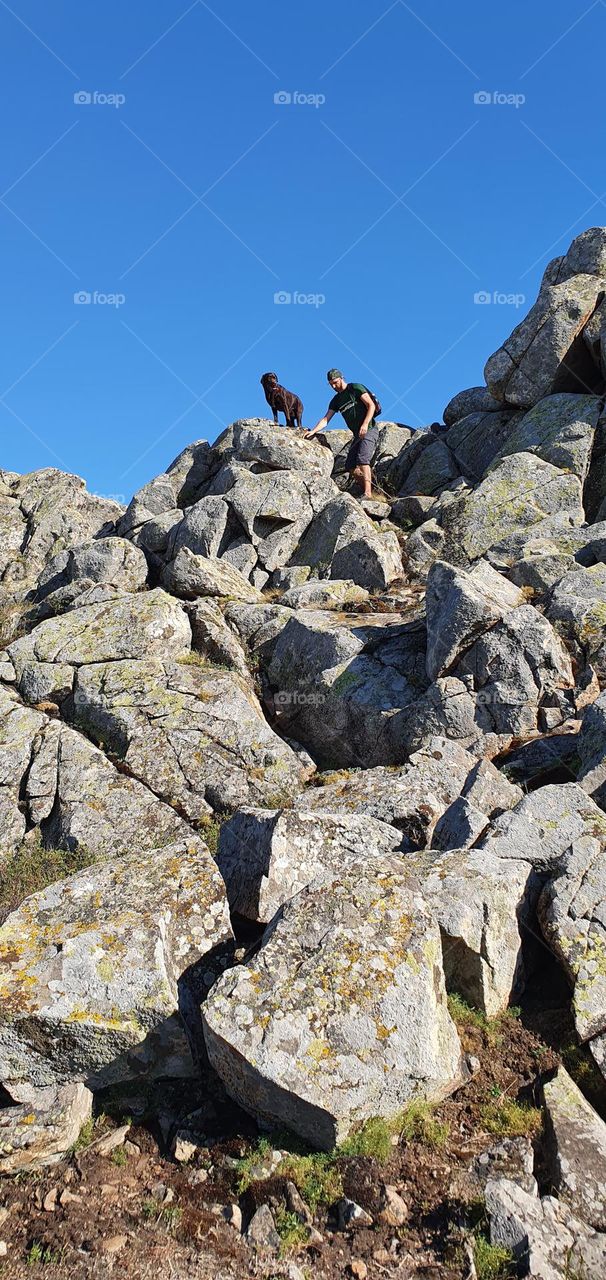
[(91, 965), (267, 857), (577, 1147), (342, 1013), (572, 911), (195, 735), (481, 902)]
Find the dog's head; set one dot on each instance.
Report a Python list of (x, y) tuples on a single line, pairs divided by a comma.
[(269, 380)]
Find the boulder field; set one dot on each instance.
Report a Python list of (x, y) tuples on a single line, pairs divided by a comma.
[(289, 770)]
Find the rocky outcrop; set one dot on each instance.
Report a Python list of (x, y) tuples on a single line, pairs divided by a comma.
[(186, 666), (577, 1150), (267, 857), (379, 1035), (91, 966)]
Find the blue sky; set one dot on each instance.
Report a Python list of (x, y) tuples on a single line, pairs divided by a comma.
[(182, 198)]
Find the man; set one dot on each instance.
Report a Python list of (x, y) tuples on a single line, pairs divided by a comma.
[(356, 405)]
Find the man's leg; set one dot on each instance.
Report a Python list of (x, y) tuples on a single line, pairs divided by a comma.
[(366, 480)]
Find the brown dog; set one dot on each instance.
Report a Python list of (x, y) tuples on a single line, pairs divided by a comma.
[(282, 401)]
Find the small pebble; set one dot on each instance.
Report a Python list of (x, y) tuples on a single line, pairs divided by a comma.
[(394, 1210), (3, 1248), (113, 1244), (108, 1143), (233, 1214), (50, 1200), (183, 1149), (68, 1197), (358, 1269)]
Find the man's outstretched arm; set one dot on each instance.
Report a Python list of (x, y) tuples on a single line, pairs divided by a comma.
[(330, 413)]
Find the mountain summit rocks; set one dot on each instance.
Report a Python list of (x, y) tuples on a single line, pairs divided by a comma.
[(286, 776)]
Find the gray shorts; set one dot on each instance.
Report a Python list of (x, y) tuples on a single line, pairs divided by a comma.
[(362, 450)]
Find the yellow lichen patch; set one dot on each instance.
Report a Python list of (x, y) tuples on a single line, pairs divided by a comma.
[(106, 969), (318, 1050)]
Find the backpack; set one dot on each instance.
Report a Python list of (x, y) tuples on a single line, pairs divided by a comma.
[(372, 395)]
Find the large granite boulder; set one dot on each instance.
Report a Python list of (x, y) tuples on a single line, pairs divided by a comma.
[(131, 626), (266, 857), (578, 611), (189, 471), (544, 825), (461, 606), (194, 734), (546, 353), (257, 440), (472, 400), (108, 561), (190, 576), (271, 510), (546, 1240), (336, 685), (41, 1130), (572, 911), (517, 493), (480, 902), (342, 1013), (559, 429), (414, 796), (57, 513), (18, 728), (91, 968), (81, 801), (592, 751), (477, 439), (576, 1149), (342, 542)]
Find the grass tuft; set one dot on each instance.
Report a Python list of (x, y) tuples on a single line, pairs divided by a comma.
[(248, 1163), (42, 1253), (509, 1119), (315, 1176), (417, 1123), (492, 1262), (464, 1014), (293, 1233), (32, 867), (373, 1138), (210, 830)]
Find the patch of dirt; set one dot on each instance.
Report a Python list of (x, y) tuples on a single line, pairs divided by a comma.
[(139, 1214)]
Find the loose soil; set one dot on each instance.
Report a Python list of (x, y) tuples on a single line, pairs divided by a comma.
[(140, 1214)]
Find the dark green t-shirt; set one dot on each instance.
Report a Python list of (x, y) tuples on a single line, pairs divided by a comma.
[(350, 404)]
